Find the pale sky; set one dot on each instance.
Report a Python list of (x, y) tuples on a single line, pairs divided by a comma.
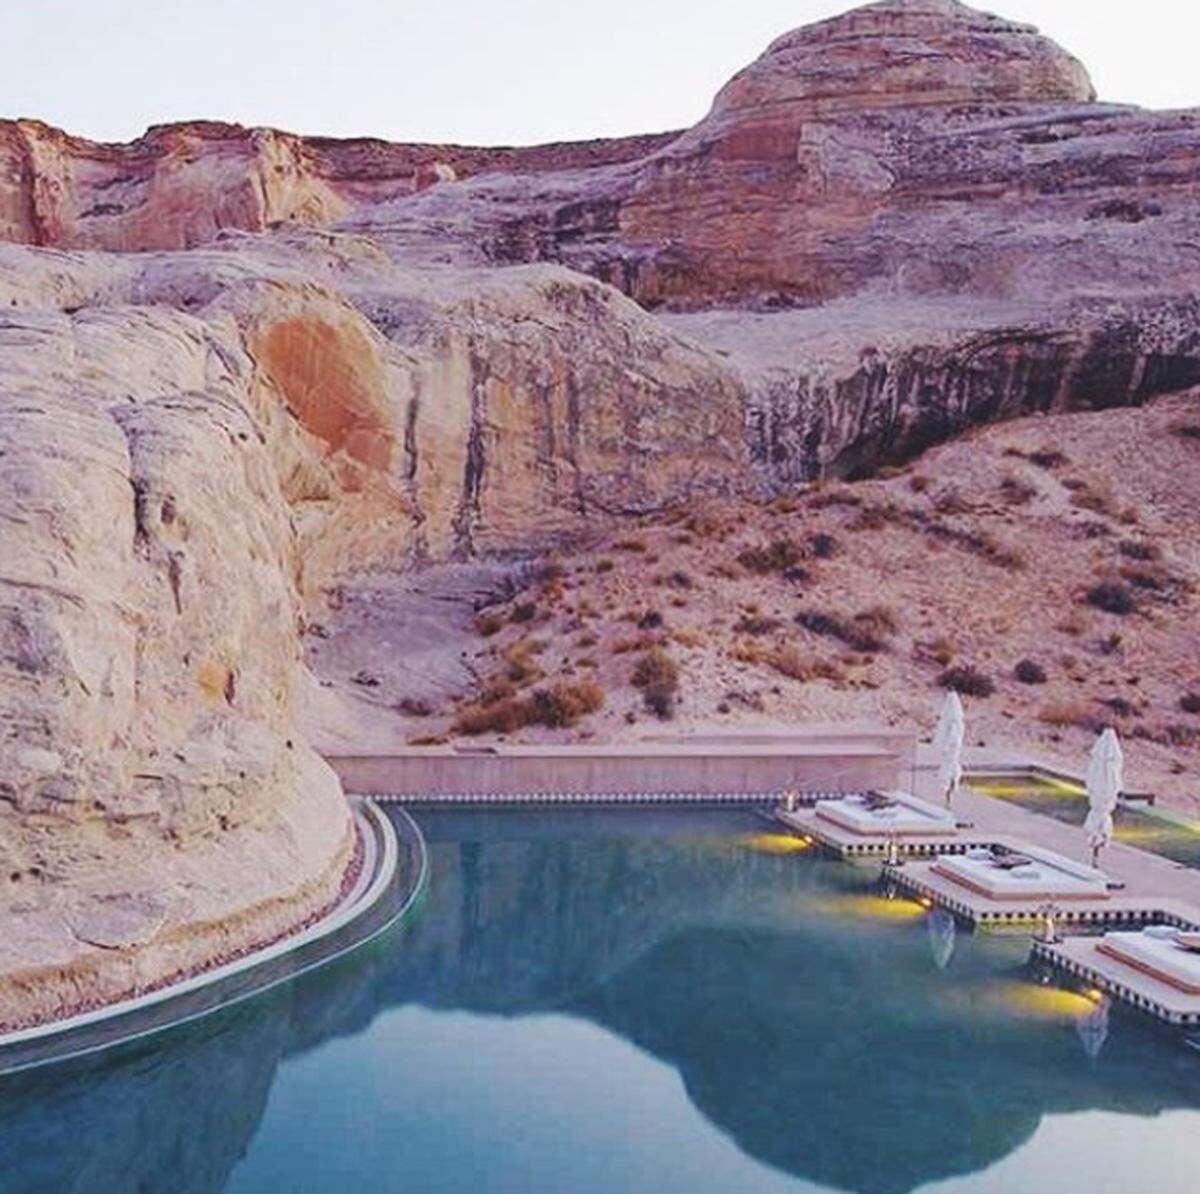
[(481, 72)]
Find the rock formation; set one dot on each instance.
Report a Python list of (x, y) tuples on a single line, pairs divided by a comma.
[(239, 366)]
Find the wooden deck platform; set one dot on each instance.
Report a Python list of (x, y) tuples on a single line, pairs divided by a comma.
[(1081, 958)]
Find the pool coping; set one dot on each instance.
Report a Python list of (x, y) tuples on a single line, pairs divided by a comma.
[(42, 1044)]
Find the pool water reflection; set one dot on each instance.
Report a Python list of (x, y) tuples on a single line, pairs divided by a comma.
[(597, 1002)]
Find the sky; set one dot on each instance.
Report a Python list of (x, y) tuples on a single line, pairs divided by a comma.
[(481, 72)]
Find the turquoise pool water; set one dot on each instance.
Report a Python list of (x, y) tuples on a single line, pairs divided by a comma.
[(625, 1003)]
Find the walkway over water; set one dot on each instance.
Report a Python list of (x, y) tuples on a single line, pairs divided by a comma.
[(728, 767)]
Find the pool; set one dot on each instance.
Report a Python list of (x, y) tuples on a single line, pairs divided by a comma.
[(594, 1002), (1068, 802)]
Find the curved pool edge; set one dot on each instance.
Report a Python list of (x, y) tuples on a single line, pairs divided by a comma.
[(394, 876)]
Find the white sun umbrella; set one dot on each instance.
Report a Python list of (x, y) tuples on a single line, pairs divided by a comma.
[(1105, 778), (948, 744)]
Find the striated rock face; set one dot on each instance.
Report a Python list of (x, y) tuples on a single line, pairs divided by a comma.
[(192, 447), (242, 372)]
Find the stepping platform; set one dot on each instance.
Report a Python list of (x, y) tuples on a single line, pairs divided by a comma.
[(1134, 968), (1028, 873), (850, 828), (902, 816), (927, 880)]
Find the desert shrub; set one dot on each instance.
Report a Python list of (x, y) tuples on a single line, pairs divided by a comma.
[(1133, 549), (775, 556), (938, 650), (642, 642), (858, 636), (564, 704), (657, 675), (823, 546), (489, 623), (428, 740), (796, 575), (1112, 596), (1190, 702), (686, 636), (650, 620), (968, 680), (1099, 500), (523, 611), (1185, 429), (1029, 672), (1168, 735), (1072, 714), (632, 544), (879, 619), (1073, 623), (680, 580), (1047, 458), (788, 661), (560, 705), (1119, 705), (918, 483), (605, 565), (757, 625)]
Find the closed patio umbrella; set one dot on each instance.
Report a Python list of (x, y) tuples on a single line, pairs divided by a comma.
[(948, 743), (1105, 778)]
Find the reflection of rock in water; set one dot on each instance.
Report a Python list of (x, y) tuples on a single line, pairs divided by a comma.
[(942, 934), (172, 1119), (1093, 1029), (823, 1043)]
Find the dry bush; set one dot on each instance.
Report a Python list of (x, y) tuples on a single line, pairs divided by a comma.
[(523, 611), (1047, 458), (1074, 623), (489, 623), (657, 675), (881, 620), (918, 483), (560, 705), (642, 642), (1030, 672), (822, 546), (776, 556), (1185, 429), (938, 651), (632, 544), (858, 636), (967, 680), (790, 662), (687, 637), (428, 740), (757, 625), (1113, 597), (1133, 549), (1072, 714), (1099, 499), (604, 565), (1190, 702)]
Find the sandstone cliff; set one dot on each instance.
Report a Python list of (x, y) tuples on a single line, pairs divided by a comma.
[(245, 374)]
